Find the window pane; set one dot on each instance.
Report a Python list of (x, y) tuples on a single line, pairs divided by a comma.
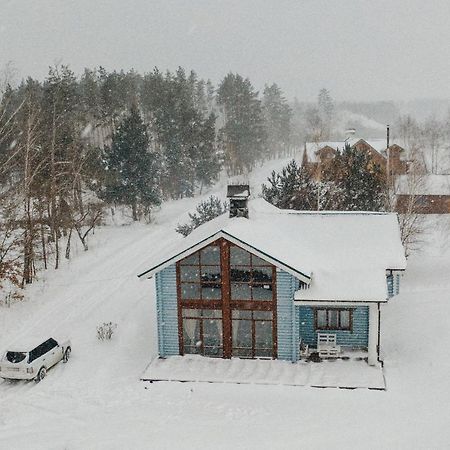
[(191, 332), (191, 259), (262, 315), (242, 352), (189, 273), (242, 333), (333, 319), (262, 292), (262, 274), (240, 291), (210, 292), (190, 291), (241, 314), (345, 319), (210, 255), (263, 334), (211, 273), (217, 313), (188, 312), (240, 274), (239, 256), (257, 261), (322, 318), (212, 333), (263, 352)]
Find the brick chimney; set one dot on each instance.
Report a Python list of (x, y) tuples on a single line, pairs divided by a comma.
[(238, 195)]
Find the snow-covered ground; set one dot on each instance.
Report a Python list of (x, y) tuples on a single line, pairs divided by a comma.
[(96, 401)]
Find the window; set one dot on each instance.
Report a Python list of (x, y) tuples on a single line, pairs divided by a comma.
[(202, 332), (333, 319), (226, 303), (251, 277), (252, 333), (200, 275)]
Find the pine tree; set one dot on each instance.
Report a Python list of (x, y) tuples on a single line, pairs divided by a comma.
[(243, 137), (360, 183), (205, 211), (133, 168), (277, 115), (293, 188)]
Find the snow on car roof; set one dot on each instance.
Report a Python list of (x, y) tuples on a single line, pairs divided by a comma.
[(28, 343), (342, 253)]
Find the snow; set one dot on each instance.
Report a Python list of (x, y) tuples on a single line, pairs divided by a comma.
[(330, 373), (97, 400), (332, 248)]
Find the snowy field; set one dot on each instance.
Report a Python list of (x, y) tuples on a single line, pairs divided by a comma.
[(96, 401)]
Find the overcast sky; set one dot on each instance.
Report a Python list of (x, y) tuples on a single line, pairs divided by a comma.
[(358, 49)]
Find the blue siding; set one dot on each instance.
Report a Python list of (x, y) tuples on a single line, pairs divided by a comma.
[(390, 285), (357, 338), (287, 332), (166, 310)]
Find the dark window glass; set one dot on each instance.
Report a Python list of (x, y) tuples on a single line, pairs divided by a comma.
[(240, 291), (210, 255), (191, 259), (211, 274), (263, 334), (345, 319), (239, 256), (262, 292), (242, 333), (211, 293), (262, 275), (190, 291), (242, 274), (257, 261), (189, 273), (333, 319), (15, 357)]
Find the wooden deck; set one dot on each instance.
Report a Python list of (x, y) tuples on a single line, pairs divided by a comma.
[(344, 374)]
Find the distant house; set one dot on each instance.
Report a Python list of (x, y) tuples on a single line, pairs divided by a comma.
[(428, 195), (280, 284), (317, 154)]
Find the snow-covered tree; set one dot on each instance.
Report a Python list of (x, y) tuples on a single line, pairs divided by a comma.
[(133, 169)]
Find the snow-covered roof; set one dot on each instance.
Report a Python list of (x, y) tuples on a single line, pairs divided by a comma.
[(378, 144), (429, 184), (341, 255)]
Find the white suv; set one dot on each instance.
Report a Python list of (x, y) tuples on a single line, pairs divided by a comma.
[(29, 365)]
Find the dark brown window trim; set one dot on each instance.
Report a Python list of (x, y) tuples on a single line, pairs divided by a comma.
[(339, 328)]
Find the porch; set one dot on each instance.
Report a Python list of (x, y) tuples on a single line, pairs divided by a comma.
[(349, 372)]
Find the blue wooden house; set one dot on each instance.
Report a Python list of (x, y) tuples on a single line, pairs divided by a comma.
[(261, 282)]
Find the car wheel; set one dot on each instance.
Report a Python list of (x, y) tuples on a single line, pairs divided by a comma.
[(67, 354), (41, 374)]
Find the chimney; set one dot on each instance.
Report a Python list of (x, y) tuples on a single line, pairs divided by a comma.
[(238, 195)]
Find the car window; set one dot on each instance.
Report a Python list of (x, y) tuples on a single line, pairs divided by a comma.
[(51, 343), (37, 352), (15, 357)]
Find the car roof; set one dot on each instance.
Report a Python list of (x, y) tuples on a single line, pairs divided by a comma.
[(27, 344)]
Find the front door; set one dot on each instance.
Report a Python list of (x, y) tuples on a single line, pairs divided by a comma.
[(226, 303)]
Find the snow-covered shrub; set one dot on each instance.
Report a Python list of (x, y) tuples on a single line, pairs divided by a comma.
[(105, 331), (205, 211)]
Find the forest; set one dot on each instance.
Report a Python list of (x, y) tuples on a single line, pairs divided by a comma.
[(73, 147)]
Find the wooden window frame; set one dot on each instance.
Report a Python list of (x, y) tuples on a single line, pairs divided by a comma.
[(328, 328), (226, 304)]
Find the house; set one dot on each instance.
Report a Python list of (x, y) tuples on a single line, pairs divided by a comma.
[(423, 194), (270, 283), (317, 154)]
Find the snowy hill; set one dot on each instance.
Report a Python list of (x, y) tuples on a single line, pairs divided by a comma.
[(97, 401)]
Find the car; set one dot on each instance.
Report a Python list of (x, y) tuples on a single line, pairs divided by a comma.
[(22, 364)]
